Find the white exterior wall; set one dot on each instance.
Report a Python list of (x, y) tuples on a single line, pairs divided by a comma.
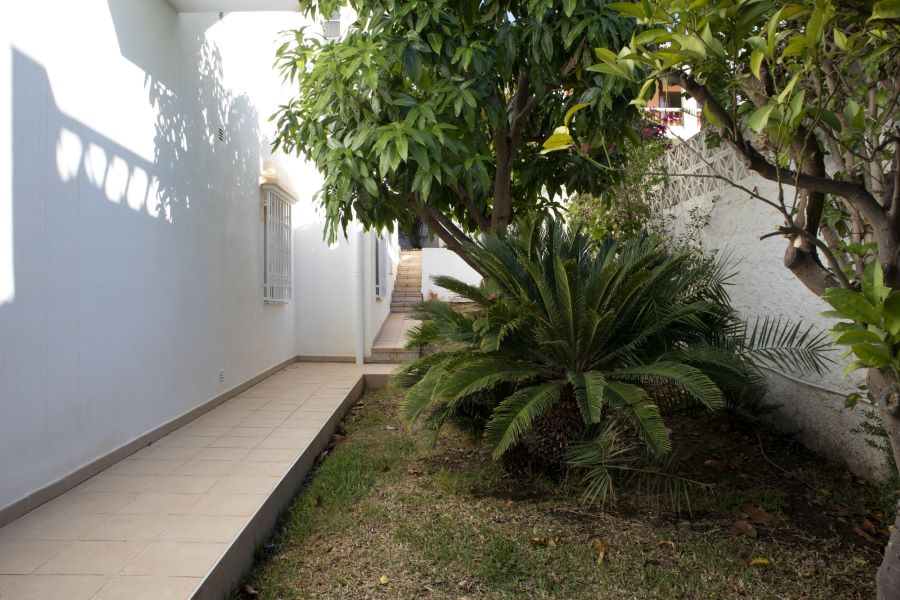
[(130, 235), (326, 290), (764, 287), (441, 261)]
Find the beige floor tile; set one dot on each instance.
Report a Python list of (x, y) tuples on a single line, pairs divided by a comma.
[(252, 394), (176, 559), (156, 452), (289, 404), (223, 454), (203, 430), (234, 441), (255, 432), (245, 484), (272, 455), (56, 587), (204, 528), (152, 503), (130, 528), (245, 403), (225, 420), (47, 525), (20, 557), (148, 466), (260, 469), (92, 558), (295, 433), (111, 482), (148, 587), (205, 467), (7, 581), (242, 505), (186, 484), (179, 440), (261, 422), (79, 501), (283, 443)]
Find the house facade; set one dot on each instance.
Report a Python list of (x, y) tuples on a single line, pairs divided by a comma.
[(154, 253)]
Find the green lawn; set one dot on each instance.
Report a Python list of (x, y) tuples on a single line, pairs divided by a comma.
[(390, 514)]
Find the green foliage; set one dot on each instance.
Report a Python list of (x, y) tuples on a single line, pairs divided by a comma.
[(786, 83), (621, 332), (610, 327), (405, 112), (871, 333), (622, 208)]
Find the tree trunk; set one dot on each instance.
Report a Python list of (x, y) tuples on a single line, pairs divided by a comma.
[(885, 388)]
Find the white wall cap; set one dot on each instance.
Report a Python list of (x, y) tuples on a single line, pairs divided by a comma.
[(234, 5)]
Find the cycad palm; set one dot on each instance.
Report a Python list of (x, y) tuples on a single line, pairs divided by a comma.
[(560, 320)]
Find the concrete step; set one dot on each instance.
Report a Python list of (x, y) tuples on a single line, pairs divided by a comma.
[(392, 356), (402, 308)]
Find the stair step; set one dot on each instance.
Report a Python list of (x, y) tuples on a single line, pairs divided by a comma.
[(392, 355)]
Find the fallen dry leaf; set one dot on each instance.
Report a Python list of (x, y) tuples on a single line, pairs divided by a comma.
[(538, 541), (716, 465), (868, 527), (383, 580), (600, 547), (757, 515), (553, 543), (390, 428), (668, 543), (508, 503), (866, 536), (743, 528), (250, 591), (760, 561)]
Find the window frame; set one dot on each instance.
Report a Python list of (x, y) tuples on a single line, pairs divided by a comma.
[(380, 272), (277, 245)]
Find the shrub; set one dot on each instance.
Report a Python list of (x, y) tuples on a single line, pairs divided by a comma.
[(575, 350)]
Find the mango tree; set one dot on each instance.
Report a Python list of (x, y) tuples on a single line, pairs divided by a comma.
[(807, 94), (436, 109)]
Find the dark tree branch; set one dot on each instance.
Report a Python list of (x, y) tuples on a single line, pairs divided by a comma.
[(885, 232), (483, 223)]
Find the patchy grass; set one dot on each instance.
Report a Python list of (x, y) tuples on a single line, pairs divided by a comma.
[(394, 514)]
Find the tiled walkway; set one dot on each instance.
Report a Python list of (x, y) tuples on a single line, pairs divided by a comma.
[(392, 336), (160, 522)]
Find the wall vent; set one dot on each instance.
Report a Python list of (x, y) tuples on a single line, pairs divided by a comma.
[(221, 376), (221, 134), (221, 15)]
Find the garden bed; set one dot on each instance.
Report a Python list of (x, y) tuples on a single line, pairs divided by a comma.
[(389, 514)]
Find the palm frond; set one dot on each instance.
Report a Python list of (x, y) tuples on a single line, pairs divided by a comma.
[(473, 374), (513, 416), (787, 345), (589, 393), (690, 379), (479, 294), (642, 414), (597, 459)]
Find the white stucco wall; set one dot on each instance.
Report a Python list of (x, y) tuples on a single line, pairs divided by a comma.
[(441, 261), (762, 287), (130, 234), (327, 290)]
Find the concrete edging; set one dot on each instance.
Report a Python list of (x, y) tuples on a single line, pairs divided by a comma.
[(237, 560)]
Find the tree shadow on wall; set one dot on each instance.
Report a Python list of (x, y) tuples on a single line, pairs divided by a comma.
[(212, 150)]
